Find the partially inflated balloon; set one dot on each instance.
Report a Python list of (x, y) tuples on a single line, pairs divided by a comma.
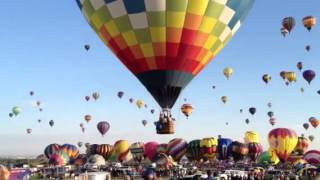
[(209, 147), (137, 151), (177, 148), (223, 145), (238, 150), (104, 150), (251, 137), (302, 145), (150, 149), (309, 22), (288, 23), (255, 149), (283, 141), (50, 149), (312, 157), (309, 75), (194, 150), (59, 158), (71, 150), (165, 44), (122, 151)]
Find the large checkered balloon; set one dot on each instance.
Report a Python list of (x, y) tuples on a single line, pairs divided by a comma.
[(165, 43)]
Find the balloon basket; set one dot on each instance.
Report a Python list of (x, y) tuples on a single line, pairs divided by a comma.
[(166, 124)]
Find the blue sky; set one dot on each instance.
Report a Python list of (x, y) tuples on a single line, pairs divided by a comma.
[(42, 50)]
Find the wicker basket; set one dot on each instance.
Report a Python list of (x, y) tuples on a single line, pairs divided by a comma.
[(167, 128)]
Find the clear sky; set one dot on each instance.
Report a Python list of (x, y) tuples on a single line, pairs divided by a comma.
[(42, 50)]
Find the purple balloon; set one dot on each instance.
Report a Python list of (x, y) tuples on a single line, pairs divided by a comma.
[(103, 127), (309, 75)]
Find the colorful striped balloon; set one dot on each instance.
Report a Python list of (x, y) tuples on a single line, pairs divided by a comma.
[(59, 158), (177, 148), (51, 149), (122, 151), (209, 147), (71, 150), (104, 150), (137, 151), (312, 157)]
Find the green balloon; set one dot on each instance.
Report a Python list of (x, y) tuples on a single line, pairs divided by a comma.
[(16, 110)]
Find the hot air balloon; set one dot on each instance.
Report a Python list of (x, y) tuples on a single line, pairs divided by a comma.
[(272, 121), (255, 149), (87, 98), (38, 103), (309, 22), (83, 129), (131, 100), (39, 120), (177, 148), (269, 105), (311, 138), (87, 47), (51, 123), (162, 148), (305, 126), (266, 78), (80, 144), (194, 150), (302, 145), (314, 122), (29, 131), (228, 72), (88, 118), (283, 74), (308, 48), (87, 145), (283, 141), (222, 149), (288, 23), (247, 121), (318, 91), (312, 157), (16, 110), (150, 150), (50, 149), (284, 31), (144, 122), (238, 150), (187, 109), (165, 57), (91, 149), (291, 76), (95, 95), (81, 160), (96, 160), (300, 65), (224, 99), (71, 150), (252, 110), (241, 110), (302, 90), (59, 158), (268, 157), (270, 114), (120, 94), (31, 93), (209, 147), (122, 152), (152, 111), (137, 151), (140, 103), (81, 125), (251, 137), (104, 150), (4, 173), (103, 127), (11, 115), (309, 75)]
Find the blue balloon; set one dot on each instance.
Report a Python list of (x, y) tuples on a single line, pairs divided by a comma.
[(222, 148)]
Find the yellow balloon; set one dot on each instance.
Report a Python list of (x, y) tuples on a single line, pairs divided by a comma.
[(228, 71), (291, 76), (251, 137), (209, 146), (274, 158), (224, 99), (121, 149), (140, 103)]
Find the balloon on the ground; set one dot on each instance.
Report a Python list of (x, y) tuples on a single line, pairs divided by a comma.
[(238, 150), (283, 141), (254, 150), (59, 158), (222, 148), (312, 157), (96, 160), (251, 137), (209, 147), (302, 145), (51, 149), (194, 150), (122, 151), (150, 149), (71, 150), (4, 173), (104, 150), (137, 151), (177, 148)]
